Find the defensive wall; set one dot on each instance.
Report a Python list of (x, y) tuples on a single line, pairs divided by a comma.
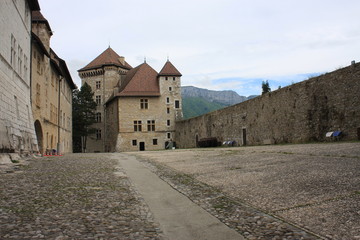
[(302, 112)]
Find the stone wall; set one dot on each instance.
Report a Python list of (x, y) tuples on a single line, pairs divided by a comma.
[(17, 132), (299, 113)]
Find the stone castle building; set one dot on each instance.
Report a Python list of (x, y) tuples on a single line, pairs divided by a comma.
[(17, 133), (51, 92), (137, 107)]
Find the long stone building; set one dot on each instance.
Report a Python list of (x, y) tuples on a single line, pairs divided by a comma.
[(51, 95), (302, 112), (16, 121), (137, 107)]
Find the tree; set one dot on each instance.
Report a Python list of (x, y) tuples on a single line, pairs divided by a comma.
[(83, 108), (265, 87)]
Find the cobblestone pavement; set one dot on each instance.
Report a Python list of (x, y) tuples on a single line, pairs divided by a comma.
[(305, 191), (78, 196)]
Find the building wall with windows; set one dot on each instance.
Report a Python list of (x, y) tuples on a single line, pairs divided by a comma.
[(142, 128), (145, 122), (17, 132), (102, 75), (51, 95)]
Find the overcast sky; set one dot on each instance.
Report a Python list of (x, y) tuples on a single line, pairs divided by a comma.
[(215, 44)]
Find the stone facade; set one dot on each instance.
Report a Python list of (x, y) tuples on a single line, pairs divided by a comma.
[(17, 132), (52, 88), (102, 77), (137, 107), (299, 113), (161, 109)]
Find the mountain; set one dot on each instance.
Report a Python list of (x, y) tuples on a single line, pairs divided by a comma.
[(198, 101), (227, 97), (196, 106)]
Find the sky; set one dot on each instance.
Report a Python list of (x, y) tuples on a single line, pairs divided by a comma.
[(215, 44)]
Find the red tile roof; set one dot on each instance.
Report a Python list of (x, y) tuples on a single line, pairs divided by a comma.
[(169, 70), (108, 57), (140, 81)]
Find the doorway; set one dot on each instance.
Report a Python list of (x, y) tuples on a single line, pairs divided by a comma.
[(142, 146), (39, 135), (244, 136)]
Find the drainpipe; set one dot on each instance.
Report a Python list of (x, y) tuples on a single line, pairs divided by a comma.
[(59, 117)]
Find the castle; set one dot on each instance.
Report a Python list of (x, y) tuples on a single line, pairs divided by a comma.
[(136, 107)]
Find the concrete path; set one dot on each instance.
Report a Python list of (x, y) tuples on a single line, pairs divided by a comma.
[(178, 216)]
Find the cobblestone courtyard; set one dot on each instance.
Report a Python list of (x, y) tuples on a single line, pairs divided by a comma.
[(314, 186), (270, 192)]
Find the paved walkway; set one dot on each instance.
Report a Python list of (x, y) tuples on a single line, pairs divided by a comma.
[(178, 216)]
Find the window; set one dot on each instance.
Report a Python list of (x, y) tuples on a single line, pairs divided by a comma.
[(144, 103), (25, 66), (134, 142), (167, 100), (155, 142), (168, 122), (177, 104), (17, 107), (37, 97), (166, 78), (168, 135), (20, 65), (13, 51), (137, 126), (151, 125), (98, 134), (170, 89), (98, 117), (98, 84), (174, 78), (168, 110), (98, 99)]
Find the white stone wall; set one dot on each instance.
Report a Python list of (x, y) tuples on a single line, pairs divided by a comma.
[(16, 121)]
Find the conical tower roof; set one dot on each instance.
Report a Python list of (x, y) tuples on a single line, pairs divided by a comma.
[(108, 57), (169, 70)]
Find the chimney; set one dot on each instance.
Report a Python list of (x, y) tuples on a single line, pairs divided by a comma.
[(122, 60)]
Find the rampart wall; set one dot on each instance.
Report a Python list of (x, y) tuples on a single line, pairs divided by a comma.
[(302, 112)]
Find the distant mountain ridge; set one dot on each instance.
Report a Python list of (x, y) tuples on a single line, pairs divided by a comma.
[(198, 101), (228, 97)]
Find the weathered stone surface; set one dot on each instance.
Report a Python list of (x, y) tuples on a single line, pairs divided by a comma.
[(302, 112), (263, 191), (72, 197)]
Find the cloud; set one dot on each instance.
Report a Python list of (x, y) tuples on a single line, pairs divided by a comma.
[(208, 40)]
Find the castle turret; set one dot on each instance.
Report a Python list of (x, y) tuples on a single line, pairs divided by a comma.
[(170, 86), (104, 74)]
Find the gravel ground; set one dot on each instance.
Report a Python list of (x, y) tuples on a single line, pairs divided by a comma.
[(78, 196), (316, 187)]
